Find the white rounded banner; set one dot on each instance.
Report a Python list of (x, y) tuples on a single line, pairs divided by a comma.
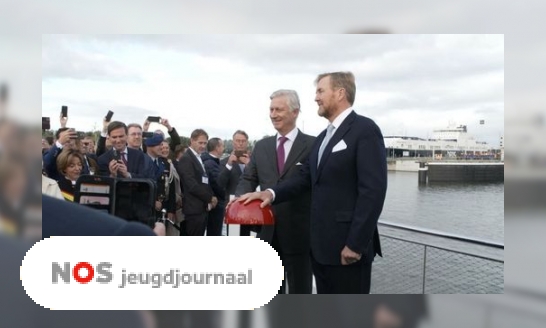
[(152, 273)]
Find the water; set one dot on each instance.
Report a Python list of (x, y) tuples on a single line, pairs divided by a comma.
[(467, 209)]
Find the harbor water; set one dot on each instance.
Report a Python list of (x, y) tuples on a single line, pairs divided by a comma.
[(468, 209)]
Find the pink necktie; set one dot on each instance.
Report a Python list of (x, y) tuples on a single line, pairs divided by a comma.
[(280, 154)]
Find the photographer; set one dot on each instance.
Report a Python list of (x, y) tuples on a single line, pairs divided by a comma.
[(65, 138), (232, 168), (121, 161)]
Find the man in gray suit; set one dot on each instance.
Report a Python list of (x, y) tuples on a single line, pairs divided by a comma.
[(273, 160)]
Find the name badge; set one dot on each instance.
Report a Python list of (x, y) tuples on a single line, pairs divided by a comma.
[(205, 180)]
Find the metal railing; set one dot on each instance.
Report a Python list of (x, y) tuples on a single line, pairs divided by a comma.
[(417, 265)]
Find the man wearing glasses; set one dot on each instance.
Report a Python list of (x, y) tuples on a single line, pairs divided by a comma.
[(87, 147), (134, 139)]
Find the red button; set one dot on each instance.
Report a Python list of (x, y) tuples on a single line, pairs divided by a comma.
[(249, 214)]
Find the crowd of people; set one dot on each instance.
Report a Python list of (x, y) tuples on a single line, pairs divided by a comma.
[(181, 175), (327, 192)]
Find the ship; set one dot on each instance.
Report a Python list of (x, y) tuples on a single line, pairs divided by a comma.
[(452, 142)]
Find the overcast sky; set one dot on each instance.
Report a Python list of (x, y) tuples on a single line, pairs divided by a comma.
[(408, 84)]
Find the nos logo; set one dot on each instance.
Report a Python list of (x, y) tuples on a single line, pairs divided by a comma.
[(102, 271)]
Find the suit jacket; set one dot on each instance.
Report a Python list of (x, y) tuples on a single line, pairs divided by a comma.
[(197, 195), (136, 164), (348, 190), (212, 166), (228, 179), (291, 217), (62, 218)]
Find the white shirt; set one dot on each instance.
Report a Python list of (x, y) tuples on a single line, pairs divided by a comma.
[(341, 117), (288, 143), (198, 158)]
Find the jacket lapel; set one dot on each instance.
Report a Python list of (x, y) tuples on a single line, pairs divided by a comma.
[(271, 153), (196, 161), (338, 135), (298, 147)]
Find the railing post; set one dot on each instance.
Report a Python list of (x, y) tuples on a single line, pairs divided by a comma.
[(424, 269), (488, 314)]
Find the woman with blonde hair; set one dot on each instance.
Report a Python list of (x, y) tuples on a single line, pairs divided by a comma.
[(69, 164)]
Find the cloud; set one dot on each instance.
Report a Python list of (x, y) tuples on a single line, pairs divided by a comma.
[(218, 82), (69, 58)]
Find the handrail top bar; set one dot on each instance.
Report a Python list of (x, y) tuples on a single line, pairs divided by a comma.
[(435, 233)]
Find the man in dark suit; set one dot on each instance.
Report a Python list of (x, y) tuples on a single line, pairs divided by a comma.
[(211, 160), (273, 160), (121, 161), (347, 174), (198, 195), (232, 167)]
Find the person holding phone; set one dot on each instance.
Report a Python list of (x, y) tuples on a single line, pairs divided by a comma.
[(232, 167), (65, 138), (175, 138), (121, 161)]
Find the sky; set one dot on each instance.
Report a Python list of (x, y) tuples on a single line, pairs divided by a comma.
[(408, 84)]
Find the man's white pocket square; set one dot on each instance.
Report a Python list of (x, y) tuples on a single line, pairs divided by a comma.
[(298, 163), (340, 146)]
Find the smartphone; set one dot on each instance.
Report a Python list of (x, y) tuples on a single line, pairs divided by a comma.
[(155, 119), (147, 135), (240, 153), (73, 134), (117, 155), (108, 116), (46, 123), (64, 111)]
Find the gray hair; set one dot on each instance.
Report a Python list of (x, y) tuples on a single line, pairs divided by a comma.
[(292, 99)]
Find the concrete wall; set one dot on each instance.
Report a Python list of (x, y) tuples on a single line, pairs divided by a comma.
[(403, 165), (447, 172)]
